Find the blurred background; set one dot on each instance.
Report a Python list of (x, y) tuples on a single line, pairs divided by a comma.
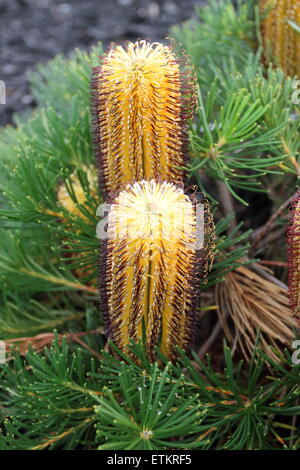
[(34, 31)]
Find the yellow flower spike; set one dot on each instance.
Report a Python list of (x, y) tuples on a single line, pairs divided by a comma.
[(152, 267), (143, 97), (68, 202), (281, 40)]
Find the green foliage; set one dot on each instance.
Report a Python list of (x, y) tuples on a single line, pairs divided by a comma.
[(220, 31), (52, 399), (66, 399), (247, 123), (244, 129), (23, 315), (153, 411), (42, 243), (227, 259)]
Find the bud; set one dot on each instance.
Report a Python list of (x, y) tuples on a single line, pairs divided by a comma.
[(151, 267), (143, 97), (71, 195)]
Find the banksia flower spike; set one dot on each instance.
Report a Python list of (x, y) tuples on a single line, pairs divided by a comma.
[(294, 256), (281, 40), (152, 265), (143, 97)]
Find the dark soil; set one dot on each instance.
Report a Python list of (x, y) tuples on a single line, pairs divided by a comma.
[(34, 31)]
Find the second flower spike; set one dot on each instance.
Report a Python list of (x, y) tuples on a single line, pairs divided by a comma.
[(157, 253), (280, 36), (143, 97)]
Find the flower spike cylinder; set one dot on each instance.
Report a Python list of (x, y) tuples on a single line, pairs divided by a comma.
[(157, 252), (294, 256), (143, 97), (281, 40)]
